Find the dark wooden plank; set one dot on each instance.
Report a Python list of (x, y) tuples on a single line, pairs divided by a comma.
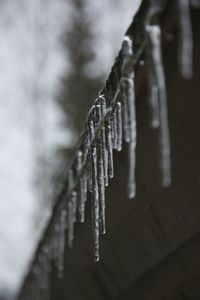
[(175, 278)]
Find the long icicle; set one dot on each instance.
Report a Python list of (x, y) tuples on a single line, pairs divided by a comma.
[(129, 83), (128, 92), (81, 203), (89, 169), (119, 126), (104, 155), (155, 36), (101, 186), (95, 205), (70, 210), (101, 164), (186, 39), (70, 223), (102, 102), (61, 243)]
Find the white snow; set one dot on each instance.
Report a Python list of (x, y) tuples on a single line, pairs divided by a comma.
[(31, 63)]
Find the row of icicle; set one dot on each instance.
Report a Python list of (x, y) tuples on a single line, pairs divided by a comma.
[(106, 128)]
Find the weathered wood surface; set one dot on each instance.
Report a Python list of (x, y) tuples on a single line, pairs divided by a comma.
[(175, 278), (144, 231)]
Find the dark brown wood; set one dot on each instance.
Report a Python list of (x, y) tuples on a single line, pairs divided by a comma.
[(175, 278), (143, 232)]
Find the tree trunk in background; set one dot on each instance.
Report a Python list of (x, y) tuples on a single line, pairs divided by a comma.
[(78, 91)]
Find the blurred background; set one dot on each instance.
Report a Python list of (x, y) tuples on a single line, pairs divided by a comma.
[(54, 58)]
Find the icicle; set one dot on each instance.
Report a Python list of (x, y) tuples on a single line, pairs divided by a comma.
[(129, 96), (127, 54), (79, 160), (70, 222), (89, 171), (125, 117), (61, 245), (81, 205), (91, 130), (110, 150), (129, 86), (95, 205), (101, 185), (102, 102), (89, 164), (101, 166), (70, 180), (186, 40), (119, 126), (101, 106), (114, 128), (71, 206), (86, 138), (83, 196), (154, 35), (152, 88), (97, 114), (74, 203), (104, 155)]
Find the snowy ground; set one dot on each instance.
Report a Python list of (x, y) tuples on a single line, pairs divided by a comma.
[(32, 61)]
